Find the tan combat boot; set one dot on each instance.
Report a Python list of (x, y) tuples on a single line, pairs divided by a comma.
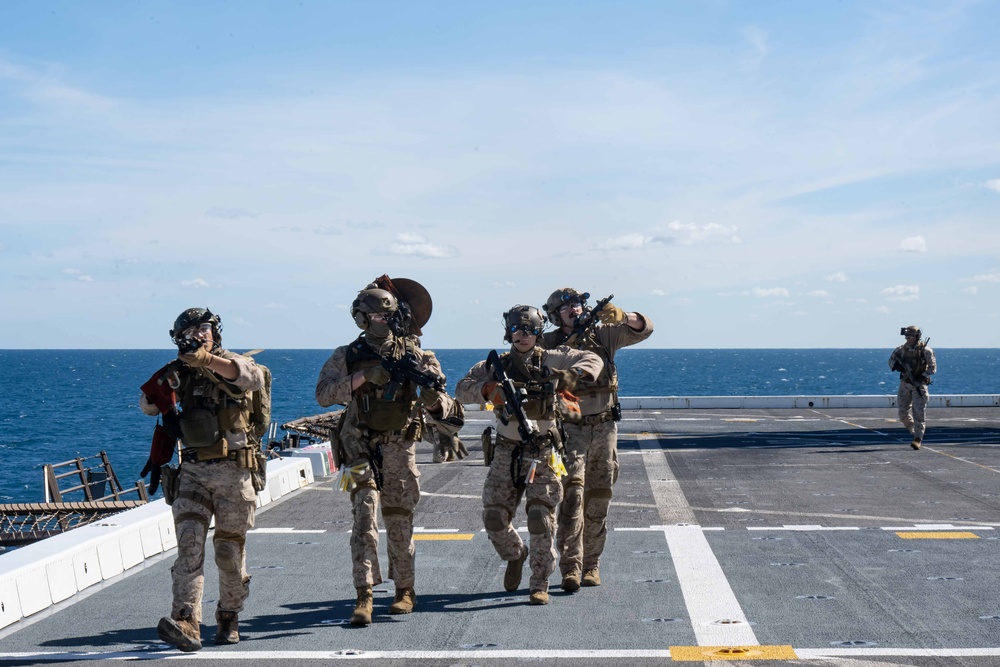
[(916, 443), (363, 609), (512, 577), (591, 577), (180, 632), (404, 602), (571, 582), (228, 627), (538, 597)]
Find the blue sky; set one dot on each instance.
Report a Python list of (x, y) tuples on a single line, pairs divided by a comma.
[(747, 174)]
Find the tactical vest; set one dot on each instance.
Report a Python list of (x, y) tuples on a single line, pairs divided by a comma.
[(374, 411), (541, 399), (607, 380), (209, 408), (913, 358)]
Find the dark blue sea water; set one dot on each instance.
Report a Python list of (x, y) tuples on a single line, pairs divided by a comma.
[(56, 405)]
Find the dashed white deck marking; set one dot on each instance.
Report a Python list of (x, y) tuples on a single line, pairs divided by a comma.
[(667, 494)]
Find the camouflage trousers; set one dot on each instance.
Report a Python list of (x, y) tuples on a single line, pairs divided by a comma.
[(224, 490), (911, 401), (500, 501), (592, 464), (398, 498)]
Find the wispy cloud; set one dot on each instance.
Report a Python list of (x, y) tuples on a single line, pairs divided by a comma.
[(902, 293), (229, 213), (770, 292), (504, 283), (993, 277), (414, 245), (913, 244), (689, 233), (819, 293), (971, 289), (196, 283), (838, 277), (993, 184), (658, 292)]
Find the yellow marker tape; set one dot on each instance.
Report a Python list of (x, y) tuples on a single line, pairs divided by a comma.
[(703, 653), (443, 536), (939, 535)]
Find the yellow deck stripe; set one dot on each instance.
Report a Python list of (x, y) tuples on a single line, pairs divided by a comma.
[(443, 536), (704, 653), (938, 535)]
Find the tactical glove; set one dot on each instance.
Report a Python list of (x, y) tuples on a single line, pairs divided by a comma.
[(492, 393), (377, 375), (612, 314), (197, 359), (564, 380), (430, 396)]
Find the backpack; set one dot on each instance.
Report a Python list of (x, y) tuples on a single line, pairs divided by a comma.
[(260, 406)]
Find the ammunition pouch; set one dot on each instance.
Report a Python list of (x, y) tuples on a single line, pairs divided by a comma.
[(487, 438), (219, 450), (233, 419), (200, 428), (170, 482), (382, 415)]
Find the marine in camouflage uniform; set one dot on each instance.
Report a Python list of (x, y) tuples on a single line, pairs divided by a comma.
[(592, 445), (916, 364), (213, 386), (381, 423), (541, 373)]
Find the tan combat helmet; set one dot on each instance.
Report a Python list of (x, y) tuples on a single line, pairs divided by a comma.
[(522, 318), (560, 298), (912, 330), (370, 300)]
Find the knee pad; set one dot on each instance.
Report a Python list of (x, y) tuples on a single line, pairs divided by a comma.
[(495, 518), (538, 519), (228, 555), (572, 501)]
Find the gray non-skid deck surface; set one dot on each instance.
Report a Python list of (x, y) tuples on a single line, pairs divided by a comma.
[(800, 515)]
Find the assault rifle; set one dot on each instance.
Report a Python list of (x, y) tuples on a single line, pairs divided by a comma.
[(587, 321), (513, 400), (906, 371), (405, 368)]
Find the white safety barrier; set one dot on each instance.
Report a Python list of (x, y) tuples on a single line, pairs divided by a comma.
[(798, 402), (36, 576), (321, 456)]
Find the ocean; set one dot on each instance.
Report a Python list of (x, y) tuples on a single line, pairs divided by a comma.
[(56, 405)]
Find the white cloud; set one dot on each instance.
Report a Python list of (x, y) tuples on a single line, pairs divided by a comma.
[(971, 290), (819, 293), (759, 48), (902, 292), (913, 244), (275, 306), (882, 309), (229, 213), (504, 283), (993, 277), (414, 245), (689, 233), (838, 277), (72, 272), (85, 279), (993, 184), (658, 292), (770, 292), (626, 242), (197, 282)]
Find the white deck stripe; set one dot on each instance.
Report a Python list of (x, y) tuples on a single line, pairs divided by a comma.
[(716, 616), (667, 494), (527, 654)]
